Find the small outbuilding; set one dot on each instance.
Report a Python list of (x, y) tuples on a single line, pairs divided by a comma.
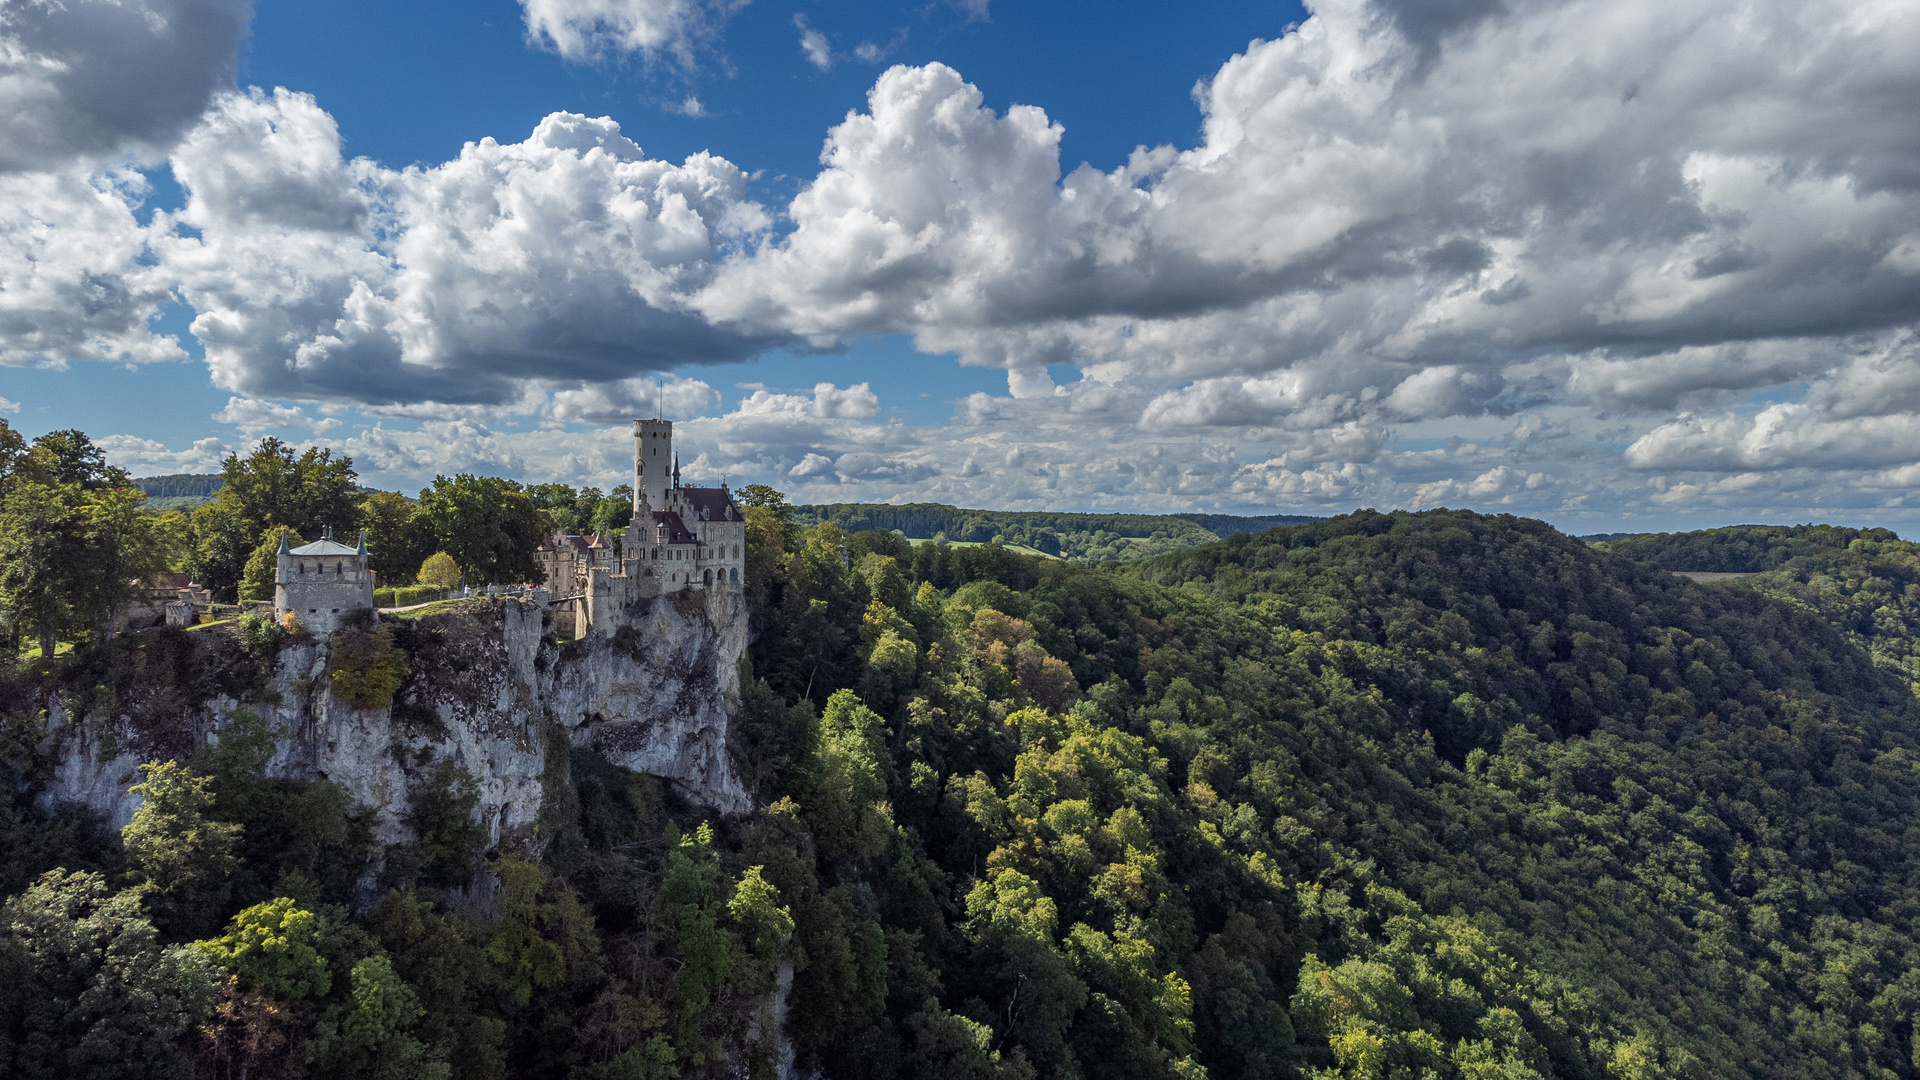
[(319, 583)]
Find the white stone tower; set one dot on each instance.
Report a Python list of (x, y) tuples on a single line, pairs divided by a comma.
[(653, 446)]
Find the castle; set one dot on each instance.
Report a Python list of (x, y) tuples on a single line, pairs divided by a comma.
[(321, 581), (680, 538)]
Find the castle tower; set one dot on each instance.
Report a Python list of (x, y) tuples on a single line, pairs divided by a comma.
[(322, 581), (652, 445)]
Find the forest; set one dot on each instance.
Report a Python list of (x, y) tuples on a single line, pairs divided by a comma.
[(1088, 537), (1414, 795)]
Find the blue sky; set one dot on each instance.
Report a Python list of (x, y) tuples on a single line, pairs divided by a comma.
[(412, 83), (1632, 264)]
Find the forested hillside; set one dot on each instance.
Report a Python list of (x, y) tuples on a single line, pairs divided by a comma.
[(1090, 537), (179, 491), (1409, 795), (1866, 582)]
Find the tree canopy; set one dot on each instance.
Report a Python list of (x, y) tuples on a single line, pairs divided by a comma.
[(1439, 795)]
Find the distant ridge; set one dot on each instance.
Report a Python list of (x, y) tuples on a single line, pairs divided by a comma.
[(180, 485), (1072, 536), (1225, 525)]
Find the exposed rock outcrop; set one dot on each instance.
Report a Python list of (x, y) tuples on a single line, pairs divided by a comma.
[(487, 686)]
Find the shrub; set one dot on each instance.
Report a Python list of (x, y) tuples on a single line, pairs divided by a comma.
[(366, 667), (440, 571), (407, 595)]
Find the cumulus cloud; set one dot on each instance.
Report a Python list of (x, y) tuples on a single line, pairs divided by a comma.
[(594, 30), (73, 285), (254, 417), (147, 457), (627, 399), (567, 256), (1394, 217), (1573, 257), (1561, 179), (82, 80)]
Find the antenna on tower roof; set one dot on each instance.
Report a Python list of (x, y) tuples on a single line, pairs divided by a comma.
[(659, 399)]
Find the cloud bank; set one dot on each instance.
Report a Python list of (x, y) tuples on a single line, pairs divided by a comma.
[(1571, 258)]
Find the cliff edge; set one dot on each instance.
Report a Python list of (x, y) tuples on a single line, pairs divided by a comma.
[(486, 685)]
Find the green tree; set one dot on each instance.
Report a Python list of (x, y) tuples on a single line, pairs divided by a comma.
[(97, 994), (447, 840), (690, 892), (383, 1006), (398, 539), (365, 667), (489, 525), (755, 905), (440, 571), (69, 457), (257, 582), (615, 512), (179, 855), (43, 546), (13, 452), (306, 492), (557, 502), (778, 510), (525, 959), (274, 948), (70, 557)]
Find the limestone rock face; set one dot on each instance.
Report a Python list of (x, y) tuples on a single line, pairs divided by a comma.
[(488, 687)]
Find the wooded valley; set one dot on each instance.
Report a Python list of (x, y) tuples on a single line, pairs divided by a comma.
[(1392, 795)]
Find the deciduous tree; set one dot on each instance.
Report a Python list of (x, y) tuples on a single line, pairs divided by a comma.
[(489, 525)]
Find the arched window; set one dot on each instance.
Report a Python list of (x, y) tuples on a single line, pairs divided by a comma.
[(736, 575), (707, 578)]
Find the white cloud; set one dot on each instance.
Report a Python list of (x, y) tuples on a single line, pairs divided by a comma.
[(253, 417), (814, 45), (812, 465), (9, 405), (72, 286), (82, 80), (147, 457), (594, 30), (1498, 486), (567, 256), (1584, 257), (627, 399)]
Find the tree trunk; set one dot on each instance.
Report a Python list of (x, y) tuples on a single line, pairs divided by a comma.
[(47, 643)]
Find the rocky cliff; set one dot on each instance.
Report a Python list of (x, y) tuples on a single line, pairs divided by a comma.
[(487, 686)]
